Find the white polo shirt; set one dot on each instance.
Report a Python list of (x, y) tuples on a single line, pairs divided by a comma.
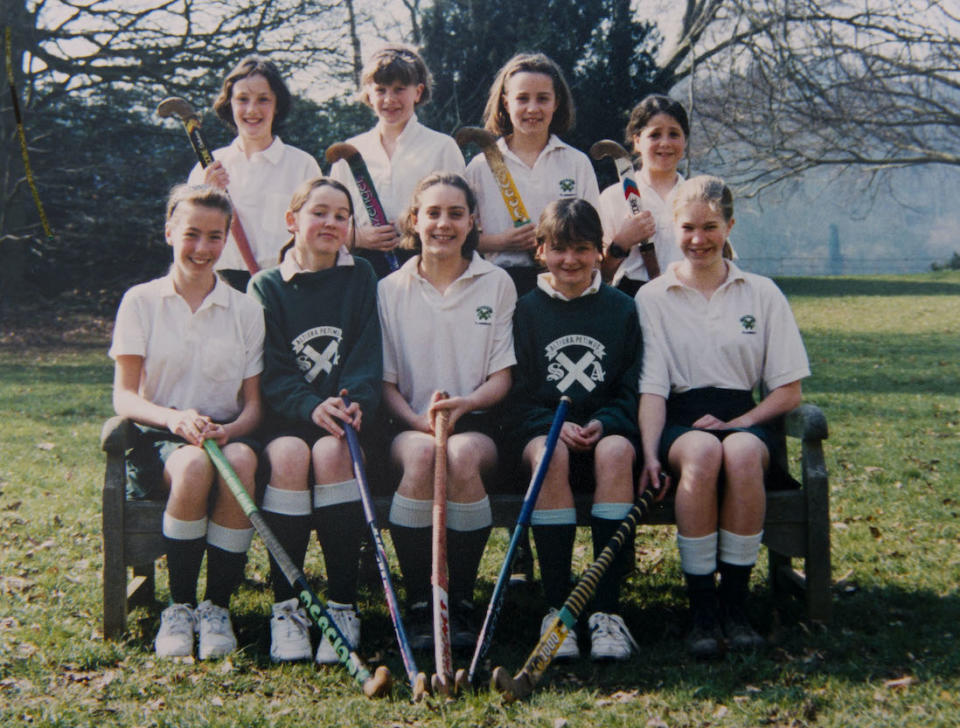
[(420, 151), (744, 334), (260, 189), (613, 209), (451, 341), (196, 359), (559, 172)]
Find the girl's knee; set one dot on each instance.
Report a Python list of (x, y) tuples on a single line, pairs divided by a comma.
[(242, 459), (289, 460)]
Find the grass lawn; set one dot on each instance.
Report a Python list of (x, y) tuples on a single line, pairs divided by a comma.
[(885, 353)]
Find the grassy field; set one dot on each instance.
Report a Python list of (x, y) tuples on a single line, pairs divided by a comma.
[(885, 353)]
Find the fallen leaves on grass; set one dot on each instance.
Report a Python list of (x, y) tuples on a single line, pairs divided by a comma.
[(621, 696), (900, 683)]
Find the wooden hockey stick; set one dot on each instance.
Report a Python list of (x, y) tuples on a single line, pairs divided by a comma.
[(498, 166), (364, 182), (374, 686), (523, 520), (442, 681), (621, 158), (523, 683), (418, 681), (181, 108)]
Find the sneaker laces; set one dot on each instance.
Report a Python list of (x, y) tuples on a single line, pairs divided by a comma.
[(213, 619), (607, 626), (291, 617), (178, 618)]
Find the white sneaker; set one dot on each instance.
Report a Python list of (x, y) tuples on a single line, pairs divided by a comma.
[(569, 649), (216, 632), (347, 620), (289, 632), (609, 637), (175, 638)]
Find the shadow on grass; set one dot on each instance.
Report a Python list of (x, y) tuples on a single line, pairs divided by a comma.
[(877, 634), (854, 286)]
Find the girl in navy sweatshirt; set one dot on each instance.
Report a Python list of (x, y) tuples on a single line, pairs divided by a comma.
[(323, 336), (574, 335)]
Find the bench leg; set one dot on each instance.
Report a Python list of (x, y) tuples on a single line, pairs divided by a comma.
[(114, 595)]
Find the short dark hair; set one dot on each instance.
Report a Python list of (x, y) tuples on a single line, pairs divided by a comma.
[(252, 66), (411, 239), (570, 220), (649, 107), (496, 120), (396, 63)]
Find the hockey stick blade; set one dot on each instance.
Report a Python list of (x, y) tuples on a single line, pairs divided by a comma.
[(375, 685), (608, 148), (522, 684)]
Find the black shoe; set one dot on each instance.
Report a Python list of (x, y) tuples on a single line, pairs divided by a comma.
[(419, 626), (463, 633), (740, 635), (705, 639)]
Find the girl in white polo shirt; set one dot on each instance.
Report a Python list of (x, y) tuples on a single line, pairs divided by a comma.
[(711, 334), (399, 151), (446, 323), (657, 132), (258, 170), (529, 106), (188, 351)]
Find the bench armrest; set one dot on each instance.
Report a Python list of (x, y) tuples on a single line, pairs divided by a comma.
[(806, 422), (117, 435)]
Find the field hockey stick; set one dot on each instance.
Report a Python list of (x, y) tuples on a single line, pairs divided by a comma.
[(374, 686), (442, 682), (523, 520), (523, 683), (22, 137), (181, 108), (631, 192), (364, 182), (418, 681), (498, 166)]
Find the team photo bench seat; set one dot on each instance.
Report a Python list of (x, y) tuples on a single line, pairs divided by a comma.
[(797, 524)]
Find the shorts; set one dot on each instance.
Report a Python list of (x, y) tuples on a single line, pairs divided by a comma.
[(685, 408), (148, 456)]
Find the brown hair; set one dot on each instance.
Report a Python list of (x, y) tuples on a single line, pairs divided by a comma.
[(201, 195), (649, 107), (411, 239), (252, 66), (395, 63), (300, 197), (496, 120), (570, 220)]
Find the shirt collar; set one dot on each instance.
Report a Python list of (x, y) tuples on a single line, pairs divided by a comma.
[(553, 142), (219, 296), (477, 266), (408, 131), (543, 284), (733, 274), (272, 154), (290, 267)]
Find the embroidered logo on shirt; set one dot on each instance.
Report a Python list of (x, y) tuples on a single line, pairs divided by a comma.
[(317, 350), (567, 185), (569, 362), (483, 315), (749, 324)]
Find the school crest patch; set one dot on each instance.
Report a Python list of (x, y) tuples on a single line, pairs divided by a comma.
[(567, 186), (748, 324), (483, 315), (575, 359), (317, 350)]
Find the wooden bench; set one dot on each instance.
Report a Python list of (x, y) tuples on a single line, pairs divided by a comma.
[(797, 525)]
